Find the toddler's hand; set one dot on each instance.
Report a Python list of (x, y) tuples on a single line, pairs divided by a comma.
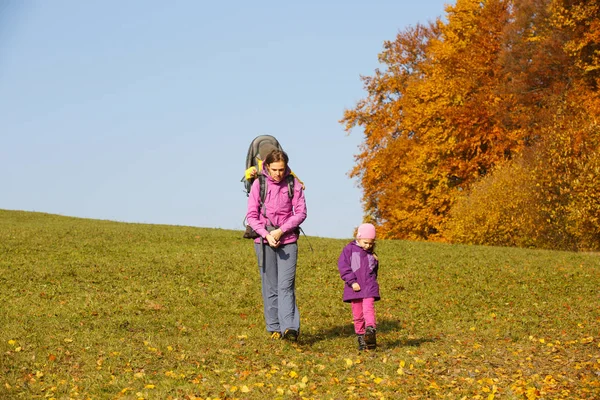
[(355, 287)]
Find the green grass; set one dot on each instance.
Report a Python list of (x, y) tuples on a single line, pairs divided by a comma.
[(104, 310)]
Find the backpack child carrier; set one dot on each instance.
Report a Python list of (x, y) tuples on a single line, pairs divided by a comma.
[(260, 147)]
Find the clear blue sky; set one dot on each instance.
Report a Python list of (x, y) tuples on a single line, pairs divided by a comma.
[(142, 111)]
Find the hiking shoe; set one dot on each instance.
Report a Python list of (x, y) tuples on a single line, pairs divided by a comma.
[(275, 335), (291, 335), (362, 345), (371, 337)]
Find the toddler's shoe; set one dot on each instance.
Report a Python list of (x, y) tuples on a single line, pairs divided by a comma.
[(371, 338), (275, 335), (291, 335), (362, 345)]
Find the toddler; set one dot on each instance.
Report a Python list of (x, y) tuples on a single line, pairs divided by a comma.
[(358, 265)]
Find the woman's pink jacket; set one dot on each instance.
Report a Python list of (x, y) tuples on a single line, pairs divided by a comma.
[(281, 211)]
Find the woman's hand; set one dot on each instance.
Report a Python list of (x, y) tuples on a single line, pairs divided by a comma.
[(272, 241), (277, 233)]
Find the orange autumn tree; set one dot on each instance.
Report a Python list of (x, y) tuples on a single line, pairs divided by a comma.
[(485, 128), (580, 21), (384, 161), (547, 198), (534, 70), (429, 119), (571, 149)]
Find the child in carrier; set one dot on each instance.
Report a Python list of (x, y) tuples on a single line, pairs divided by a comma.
[(253, 171), (358, 265)]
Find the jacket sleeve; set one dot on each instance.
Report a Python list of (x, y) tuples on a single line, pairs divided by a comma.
[(299, 205), (253, 212), (345, 267)]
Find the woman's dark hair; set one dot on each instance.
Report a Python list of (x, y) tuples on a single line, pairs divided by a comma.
[(276, 156)]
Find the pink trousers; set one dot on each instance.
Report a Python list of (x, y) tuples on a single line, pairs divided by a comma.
[(363, 313)]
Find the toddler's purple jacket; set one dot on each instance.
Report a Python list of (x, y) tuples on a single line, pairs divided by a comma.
[(282, 211), (357, 265)]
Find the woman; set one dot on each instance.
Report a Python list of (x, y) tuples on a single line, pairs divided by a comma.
[(276, 221)]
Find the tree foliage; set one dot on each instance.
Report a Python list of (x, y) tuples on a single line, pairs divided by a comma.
[(502, 86)]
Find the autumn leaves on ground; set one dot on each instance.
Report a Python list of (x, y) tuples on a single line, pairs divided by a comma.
[(99, 309)]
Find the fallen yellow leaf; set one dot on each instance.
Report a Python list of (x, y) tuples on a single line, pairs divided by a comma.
[(433, 385)]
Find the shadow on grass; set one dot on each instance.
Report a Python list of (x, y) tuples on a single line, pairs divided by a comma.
[(347, 330), (406, 342)]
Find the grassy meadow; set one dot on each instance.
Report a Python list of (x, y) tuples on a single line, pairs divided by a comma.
[(106, 310)]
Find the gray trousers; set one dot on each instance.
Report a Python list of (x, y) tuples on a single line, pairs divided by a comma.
[(278, 279)]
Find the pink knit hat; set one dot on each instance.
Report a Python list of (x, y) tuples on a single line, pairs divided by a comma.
[(366, 231)]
